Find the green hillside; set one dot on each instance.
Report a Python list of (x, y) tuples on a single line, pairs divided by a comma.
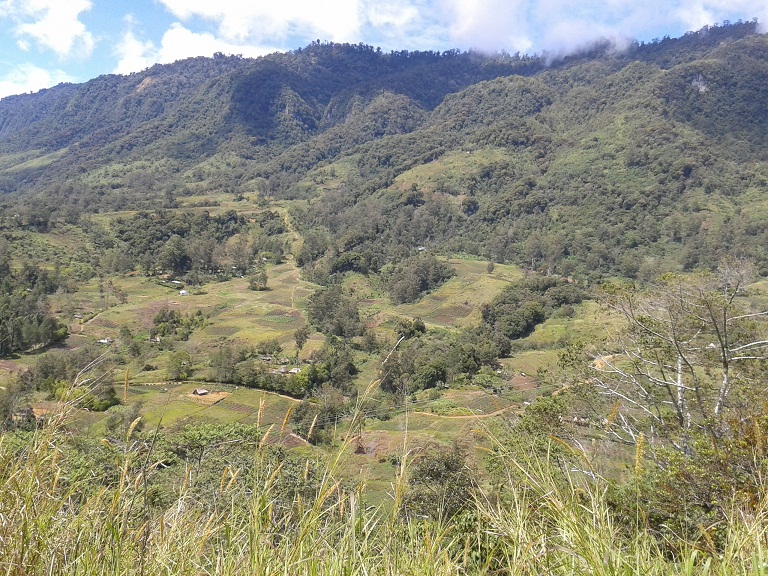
[(631, 163)]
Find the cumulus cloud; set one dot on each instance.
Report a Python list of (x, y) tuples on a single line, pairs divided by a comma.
[(239, 21), (30, 78), (491, 24), (404, 24), (394, 14), (698, 13), (557, 27), (177, 43), (133, 54), (50, 25)]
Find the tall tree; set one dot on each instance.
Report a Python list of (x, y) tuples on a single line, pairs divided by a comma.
[(300, 336)]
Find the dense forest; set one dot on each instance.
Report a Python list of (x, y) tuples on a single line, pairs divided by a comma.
[(633, 163)]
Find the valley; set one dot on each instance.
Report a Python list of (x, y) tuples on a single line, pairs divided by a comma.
[(344, 311)]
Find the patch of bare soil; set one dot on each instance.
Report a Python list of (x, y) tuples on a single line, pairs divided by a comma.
[(523, 382), (291, 440), (208, 399), (9, 366), (376, 444), (39, 412)]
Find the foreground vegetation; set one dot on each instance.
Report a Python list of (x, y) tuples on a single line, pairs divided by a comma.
[(62, 515)]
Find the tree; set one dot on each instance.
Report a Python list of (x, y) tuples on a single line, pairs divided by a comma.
[(312, 419), (269, 346), (173, 257), (200, 252), (196, 442), (301, 336), (406, 328), (258, 280), (179, 366), (333, 312), (224, 362), (440, 484), (241, 255), (691, 353)]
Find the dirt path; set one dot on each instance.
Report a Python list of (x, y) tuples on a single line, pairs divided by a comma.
[(296, 239)]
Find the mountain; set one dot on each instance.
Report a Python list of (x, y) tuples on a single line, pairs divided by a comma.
[(604, 162)]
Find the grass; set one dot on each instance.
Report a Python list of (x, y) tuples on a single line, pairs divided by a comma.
[(237, 314), (23, 162), (452, 167), (171, 405), (455, 304), (538, 520), (234, 312), (64, 245)]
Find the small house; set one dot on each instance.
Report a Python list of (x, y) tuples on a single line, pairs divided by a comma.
[(200, 392), (183, 292)]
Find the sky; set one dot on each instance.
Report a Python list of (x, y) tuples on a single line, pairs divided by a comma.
[(45, 42)]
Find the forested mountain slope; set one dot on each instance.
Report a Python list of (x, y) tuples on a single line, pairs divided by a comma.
[(625, 162)]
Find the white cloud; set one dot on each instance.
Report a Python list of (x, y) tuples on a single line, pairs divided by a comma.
[(491, 25), (567, 25), (273, 22), (695, 14), (557, 26), (397, 14), (177, 43), (513, 25), (51, 25), (30, 78), (133, 54), (403, 24)]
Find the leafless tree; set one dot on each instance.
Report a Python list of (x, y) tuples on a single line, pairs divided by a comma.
[(693, 348)]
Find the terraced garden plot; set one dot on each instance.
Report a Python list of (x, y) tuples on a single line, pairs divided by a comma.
[(221, 330), (247, 402), (283, 317), (478, 402), (457, 302), (101, 322), (239, 408)]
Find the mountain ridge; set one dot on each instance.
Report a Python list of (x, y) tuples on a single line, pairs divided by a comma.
[(602, 161)]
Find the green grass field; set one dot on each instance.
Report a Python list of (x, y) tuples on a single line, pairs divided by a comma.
[(450, 167), (236, 314), (455, 304)]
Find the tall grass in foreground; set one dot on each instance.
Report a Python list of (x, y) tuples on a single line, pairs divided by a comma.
[(540, 525)]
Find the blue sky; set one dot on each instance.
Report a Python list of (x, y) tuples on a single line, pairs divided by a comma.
[(45, 42)]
